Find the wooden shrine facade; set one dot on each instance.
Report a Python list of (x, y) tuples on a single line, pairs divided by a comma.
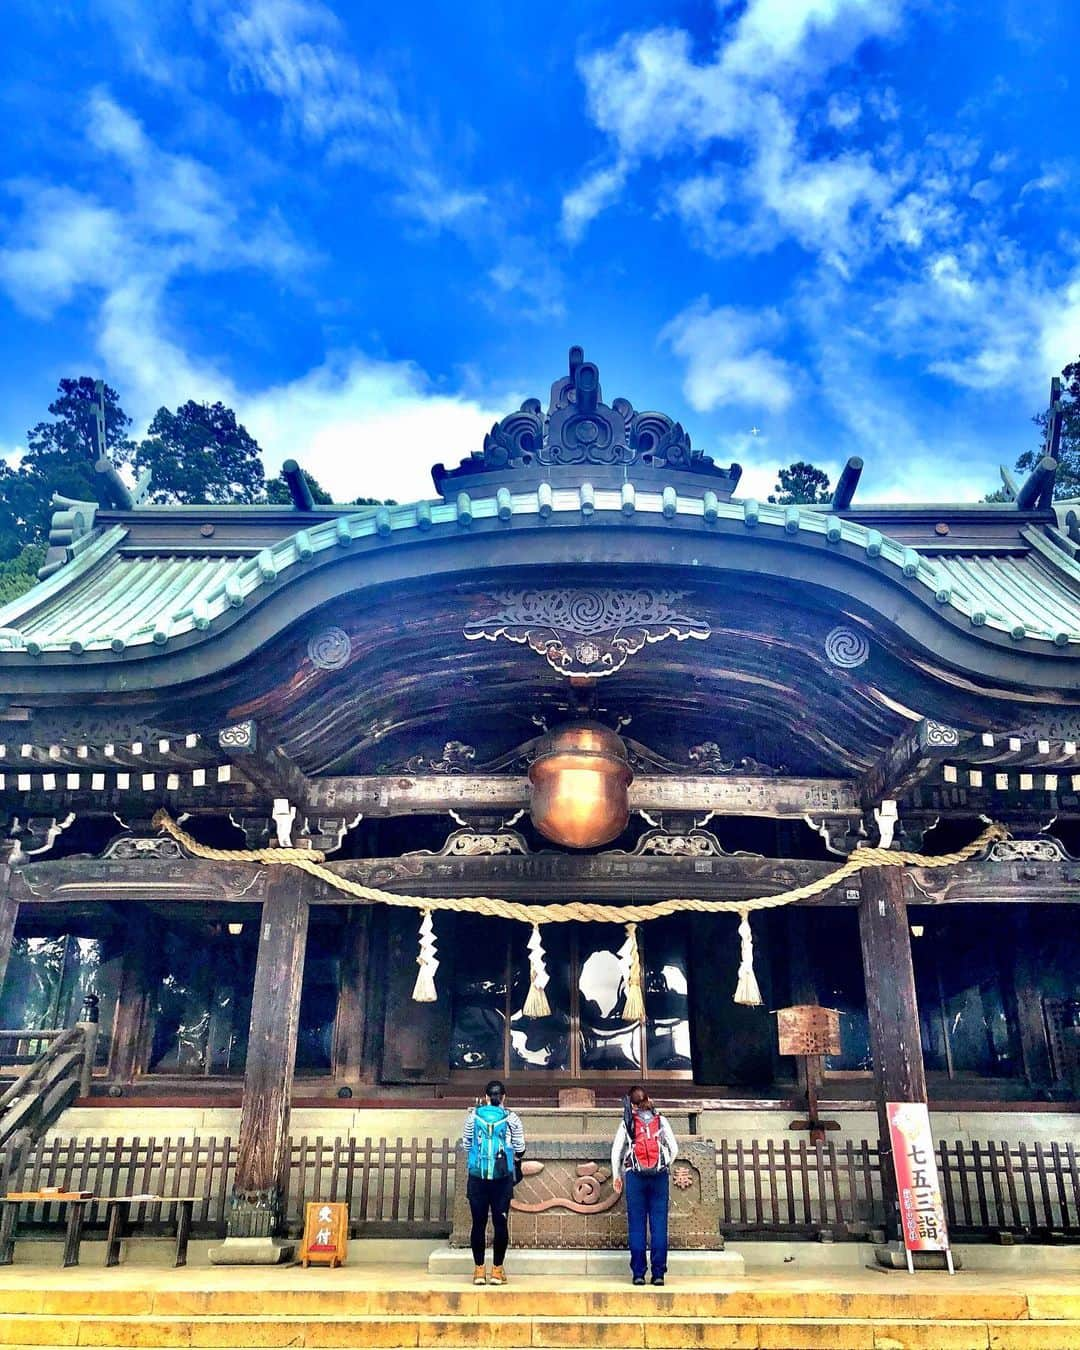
[(789, 684)]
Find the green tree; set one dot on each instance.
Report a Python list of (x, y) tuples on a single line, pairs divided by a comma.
[(19, 573), (277, 490), (1067, 483), (60, 457), (801, 484), (200, 453)]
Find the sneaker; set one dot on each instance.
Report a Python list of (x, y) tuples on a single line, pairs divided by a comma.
[(498, 1275), (656, 1279), (479, 1275), (639, 1279)]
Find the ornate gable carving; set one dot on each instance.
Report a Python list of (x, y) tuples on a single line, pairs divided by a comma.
[(580, 429)]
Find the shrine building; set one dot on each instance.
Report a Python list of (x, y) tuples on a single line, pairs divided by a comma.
[(587, 672)]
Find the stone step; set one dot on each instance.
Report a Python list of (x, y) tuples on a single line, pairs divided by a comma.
[(497, 1331), (608, 1333), (615, 1264), (683, 1303)]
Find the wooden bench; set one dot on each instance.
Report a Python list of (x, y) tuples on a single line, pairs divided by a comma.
[(118, 1213)]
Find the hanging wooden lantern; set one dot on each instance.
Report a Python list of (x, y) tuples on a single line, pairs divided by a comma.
[(579, 783)]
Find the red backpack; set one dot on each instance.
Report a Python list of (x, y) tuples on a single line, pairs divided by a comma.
[(645, 1155)]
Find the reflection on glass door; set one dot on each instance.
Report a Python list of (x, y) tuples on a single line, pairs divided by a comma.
[(202, 1005), (585, 1033)]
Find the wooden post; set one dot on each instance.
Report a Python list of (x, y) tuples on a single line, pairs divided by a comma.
[(892, 1010), (352, 1010), (9, 906), (810, 1069), (128, 1046), (1031, 1023), (257, 1205)]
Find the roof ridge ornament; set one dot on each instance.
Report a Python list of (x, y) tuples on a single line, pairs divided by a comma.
[(581, 430)]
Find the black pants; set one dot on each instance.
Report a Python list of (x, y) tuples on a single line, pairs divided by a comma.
[(494, 1196)]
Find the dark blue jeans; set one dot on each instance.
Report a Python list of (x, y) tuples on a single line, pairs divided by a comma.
[(647, 1203)]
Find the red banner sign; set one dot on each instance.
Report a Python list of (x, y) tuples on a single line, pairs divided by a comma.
[(922, 1214)]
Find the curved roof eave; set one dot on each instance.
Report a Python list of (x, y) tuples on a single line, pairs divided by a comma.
[(254, 597)]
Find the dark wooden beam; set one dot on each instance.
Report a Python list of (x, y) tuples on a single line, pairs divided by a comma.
[(912, 757), (257, 1208), (269, 770), (545, 877), (727, 795), (108, 880), (892, 1011)]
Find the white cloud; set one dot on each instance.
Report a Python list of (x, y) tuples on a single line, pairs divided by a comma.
[(292, 49), (987, 318), (589, 198), (364, 427), (655, 99), (726, 362), (843, 111), (62, 242), (780, 38)]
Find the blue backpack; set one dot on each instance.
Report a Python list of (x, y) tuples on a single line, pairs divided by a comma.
[(491, 1154)]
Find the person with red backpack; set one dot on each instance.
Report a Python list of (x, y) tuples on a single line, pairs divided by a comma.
[(495, 1142), (643, 1151)]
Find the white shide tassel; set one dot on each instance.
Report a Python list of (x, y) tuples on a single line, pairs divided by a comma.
[(746, 991), (536, 1002), (424, 988)]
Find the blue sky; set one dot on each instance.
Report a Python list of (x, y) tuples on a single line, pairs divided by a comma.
[(850, 226)]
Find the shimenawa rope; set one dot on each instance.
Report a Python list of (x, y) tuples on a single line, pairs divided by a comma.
[(579, 911)]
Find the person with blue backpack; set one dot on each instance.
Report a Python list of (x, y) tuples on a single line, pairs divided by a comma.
[(495, 1142), (641, 1155)]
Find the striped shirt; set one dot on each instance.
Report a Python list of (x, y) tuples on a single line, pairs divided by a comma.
[(513, 1124)]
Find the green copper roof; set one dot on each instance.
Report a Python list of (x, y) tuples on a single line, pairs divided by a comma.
[(106, 599)]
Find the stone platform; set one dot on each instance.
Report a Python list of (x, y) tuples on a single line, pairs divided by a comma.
[(612, 1264), (381, 1306)]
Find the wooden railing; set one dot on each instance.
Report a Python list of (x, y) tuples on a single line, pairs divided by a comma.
[(50, 1069), (405, 1188)]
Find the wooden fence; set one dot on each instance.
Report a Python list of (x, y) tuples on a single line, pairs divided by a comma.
[(792, 1188), (393, 1188), (399, 1188)]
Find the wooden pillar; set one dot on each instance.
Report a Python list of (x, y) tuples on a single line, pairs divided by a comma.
[(128, 1046), (1027, 993), (258, 1202), (809, 1069), (9, 905), (895, 1039), (350, 1024)]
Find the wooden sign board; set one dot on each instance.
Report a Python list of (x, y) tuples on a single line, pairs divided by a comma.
[(806, 1029), (326, 1233)]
